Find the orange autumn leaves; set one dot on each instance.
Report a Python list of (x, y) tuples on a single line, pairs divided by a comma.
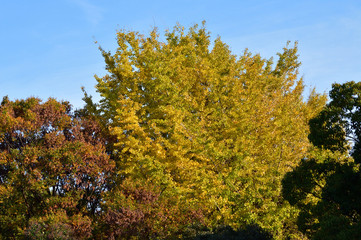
[(53, 166)]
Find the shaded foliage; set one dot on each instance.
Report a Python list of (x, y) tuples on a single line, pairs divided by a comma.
[(326, 186), (250, 232)]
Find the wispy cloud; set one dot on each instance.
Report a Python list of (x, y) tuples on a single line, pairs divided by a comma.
[(92, 12)]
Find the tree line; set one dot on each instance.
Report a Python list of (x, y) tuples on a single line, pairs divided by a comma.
[(188, 141)]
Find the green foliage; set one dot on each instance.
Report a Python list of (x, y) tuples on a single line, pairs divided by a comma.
[(326, 186), (213, 131)]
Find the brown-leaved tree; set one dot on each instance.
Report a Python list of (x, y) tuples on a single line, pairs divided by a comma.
[(53, 170)]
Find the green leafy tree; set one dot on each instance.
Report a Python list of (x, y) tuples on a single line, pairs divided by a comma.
[(326, 186), (214, 130)]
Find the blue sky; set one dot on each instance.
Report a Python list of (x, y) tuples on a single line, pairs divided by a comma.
[(48, 49)]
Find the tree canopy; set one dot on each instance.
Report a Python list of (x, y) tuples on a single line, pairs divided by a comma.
[(57, 181), (53, 168), (212, 130), (188, 141)]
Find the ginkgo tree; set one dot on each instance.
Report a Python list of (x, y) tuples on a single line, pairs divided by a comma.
[(215, 130)]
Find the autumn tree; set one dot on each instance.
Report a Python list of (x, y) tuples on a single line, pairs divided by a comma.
[(53, 171), (326, 186), (214, 130)]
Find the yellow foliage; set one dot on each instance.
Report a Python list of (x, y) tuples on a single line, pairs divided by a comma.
[(217, 129)]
